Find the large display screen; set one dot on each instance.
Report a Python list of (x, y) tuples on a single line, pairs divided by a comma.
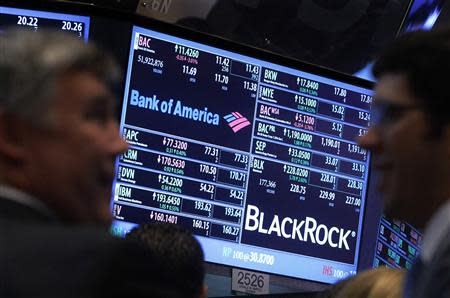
[(35, 20), (258, 159)]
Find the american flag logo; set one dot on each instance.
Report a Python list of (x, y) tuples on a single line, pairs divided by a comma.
[(236, 121)]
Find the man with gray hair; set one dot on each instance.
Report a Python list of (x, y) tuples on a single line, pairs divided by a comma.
[(58, 142), (58, 132)]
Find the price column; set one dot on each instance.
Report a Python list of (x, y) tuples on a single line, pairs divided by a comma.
[(188, 179)]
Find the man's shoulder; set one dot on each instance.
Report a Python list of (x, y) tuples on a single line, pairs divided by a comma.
[(441, 269), (42, 260), (16, 211), (435, 280), (34, 242)]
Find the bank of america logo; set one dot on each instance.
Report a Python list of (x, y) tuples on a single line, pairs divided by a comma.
[(236, 121)]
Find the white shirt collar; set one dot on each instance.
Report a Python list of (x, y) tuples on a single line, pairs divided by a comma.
[(435, 232), (13, 194)]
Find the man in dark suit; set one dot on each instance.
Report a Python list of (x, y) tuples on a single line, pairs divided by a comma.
[(58, 132), (410, 142), (58, 141)]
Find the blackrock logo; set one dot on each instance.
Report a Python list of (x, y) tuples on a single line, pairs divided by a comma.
[(293, 228)]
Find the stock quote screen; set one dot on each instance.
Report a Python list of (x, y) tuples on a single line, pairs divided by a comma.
[(35, 20), (259, 160), (398, 244)]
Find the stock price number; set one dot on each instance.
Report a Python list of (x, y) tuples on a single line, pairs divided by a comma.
[(229, 230), (224, 63), (357, 167), (200, 224), (309, 84), (208, 188), (353, 201), (297, 135), (299, 153), (253, 70), (202, 206), (211, 151), (300, 189), (221, 79), (169, 180), (170, 161), (295, 171), (362, 132), (182, 50), (207, 169), (169, 142), (261, 258), (331, 143), (327, 178), (337, 127), (72, 26), (241, 158), (340, 92), (353, 148), (189, 70), (163, 198), (327, 195), (232, 212), (364, 116), (366, 98), (251, 86), (237, 176), (27, 21), (236, 194), (340, 110), (162, 217), (358, 185), (331, 161), (305, 101)]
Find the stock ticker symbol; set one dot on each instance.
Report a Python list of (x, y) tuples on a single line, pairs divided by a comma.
[(327, 270), (236, 121)]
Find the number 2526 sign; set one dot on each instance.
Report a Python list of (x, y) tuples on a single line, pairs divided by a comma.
[(250, 282)]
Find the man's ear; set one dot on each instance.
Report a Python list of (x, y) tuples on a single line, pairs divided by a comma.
[(12, 137)]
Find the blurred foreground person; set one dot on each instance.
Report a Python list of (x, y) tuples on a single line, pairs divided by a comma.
[(180, 255), (58, 141), (58, 132), (410, 141), (376, 283)]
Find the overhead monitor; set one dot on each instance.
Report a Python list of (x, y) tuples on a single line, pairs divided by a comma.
[(36, 19), (254, 153)]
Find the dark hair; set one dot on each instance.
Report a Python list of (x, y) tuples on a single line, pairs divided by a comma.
[(180, 257), (423, 57)]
